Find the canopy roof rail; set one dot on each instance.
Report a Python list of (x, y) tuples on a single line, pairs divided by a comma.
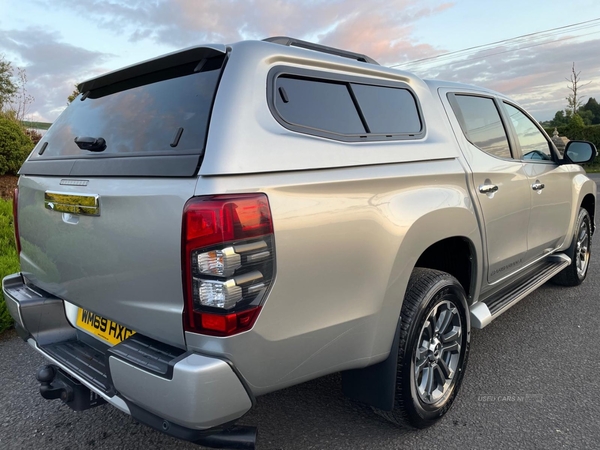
[(284, 40)]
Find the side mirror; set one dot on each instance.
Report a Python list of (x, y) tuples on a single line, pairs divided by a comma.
[(580, 152)]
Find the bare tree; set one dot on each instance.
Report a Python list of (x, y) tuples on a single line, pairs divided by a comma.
[(7, 86), (21, 99), (573, 100)]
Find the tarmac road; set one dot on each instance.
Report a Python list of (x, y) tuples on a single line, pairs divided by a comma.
[(533, 381)]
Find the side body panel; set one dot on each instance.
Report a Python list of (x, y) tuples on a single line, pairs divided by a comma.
[(346, 242), (350, 218)]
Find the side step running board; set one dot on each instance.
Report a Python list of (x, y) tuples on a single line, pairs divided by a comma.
[(483, 312)]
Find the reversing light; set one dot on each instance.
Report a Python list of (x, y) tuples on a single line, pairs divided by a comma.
[(219, 294)]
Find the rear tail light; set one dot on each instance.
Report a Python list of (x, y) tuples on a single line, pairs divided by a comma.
[(16, 220), (228, 262)]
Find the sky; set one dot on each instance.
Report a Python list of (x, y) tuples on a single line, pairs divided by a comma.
[(62, 42)]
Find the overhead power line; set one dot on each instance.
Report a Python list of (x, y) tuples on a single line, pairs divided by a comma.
[(478, 48), (526, 47)]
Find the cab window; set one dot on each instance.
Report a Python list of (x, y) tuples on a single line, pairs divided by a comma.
[(480, 120), (534, 145)]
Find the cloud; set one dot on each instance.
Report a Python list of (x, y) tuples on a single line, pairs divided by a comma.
[(531, 71), (380, 28), (52, 66)]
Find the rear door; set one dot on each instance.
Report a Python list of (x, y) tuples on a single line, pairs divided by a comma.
[(101, 196), (500, 181)]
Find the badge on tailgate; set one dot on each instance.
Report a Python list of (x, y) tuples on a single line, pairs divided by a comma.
[(82, 204)]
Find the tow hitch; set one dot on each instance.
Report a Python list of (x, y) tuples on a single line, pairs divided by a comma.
[(54, 383), (57, 384)]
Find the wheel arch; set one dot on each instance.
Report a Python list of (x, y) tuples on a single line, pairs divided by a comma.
[(448, 231), (447, 239), (589, 204), (455, 255)]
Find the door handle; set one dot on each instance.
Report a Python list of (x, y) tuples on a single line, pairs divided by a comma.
[(488, 188), (537, 186)]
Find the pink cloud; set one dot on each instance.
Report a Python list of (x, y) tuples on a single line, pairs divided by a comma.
[(380, 28)]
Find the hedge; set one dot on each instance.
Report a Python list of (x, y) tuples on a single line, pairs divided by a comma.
[(587, 133), (15, 146)]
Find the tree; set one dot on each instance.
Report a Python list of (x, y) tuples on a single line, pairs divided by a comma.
[(593, 107), (21, 99), (586, 115), (73, 95), (575, 128), (7, 86), (14, 98), (559, 119), (573, 100)]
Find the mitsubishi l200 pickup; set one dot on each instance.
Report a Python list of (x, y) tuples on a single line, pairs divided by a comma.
[(225, 221)]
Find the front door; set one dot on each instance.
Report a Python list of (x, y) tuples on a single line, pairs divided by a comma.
[(549, 182)]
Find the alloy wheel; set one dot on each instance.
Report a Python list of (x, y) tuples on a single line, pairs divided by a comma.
[(438, 353)]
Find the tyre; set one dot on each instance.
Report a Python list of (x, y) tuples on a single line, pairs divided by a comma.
[(433, 349), (579, 252)]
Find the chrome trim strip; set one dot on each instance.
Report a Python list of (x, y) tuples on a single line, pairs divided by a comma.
[(523, 269), (82, 204), (66, 182)]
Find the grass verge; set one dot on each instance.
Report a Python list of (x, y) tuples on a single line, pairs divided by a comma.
[(9, 262), (36, 125), (592, 168)]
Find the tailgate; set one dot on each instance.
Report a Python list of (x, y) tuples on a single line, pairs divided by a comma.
[(101, 196), (124, 262)]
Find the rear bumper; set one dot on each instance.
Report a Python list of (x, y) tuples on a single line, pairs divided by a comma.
[(182, 391)]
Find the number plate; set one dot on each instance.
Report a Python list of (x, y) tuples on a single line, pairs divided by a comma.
[(107, 330)]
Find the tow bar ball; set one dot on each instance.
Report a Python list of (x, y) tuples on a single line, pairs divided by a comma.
[(46, 376), (56, 384)]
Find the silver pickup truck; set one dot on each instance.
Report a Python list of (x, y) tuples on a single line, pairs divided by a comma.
[(225, 221)]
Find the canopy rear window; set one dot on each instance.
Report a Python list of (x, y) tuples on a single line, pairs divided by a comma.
[(162, 114)]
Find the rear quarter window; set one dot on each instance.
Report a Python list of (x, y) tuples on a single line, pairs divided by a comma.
[(387, 110), (347, 108), (318, 104)]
